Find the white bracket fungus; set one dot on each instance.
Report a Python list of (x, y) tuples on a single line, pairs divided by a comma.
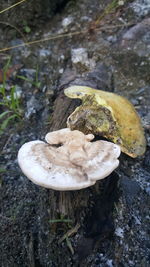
[(68, 161)]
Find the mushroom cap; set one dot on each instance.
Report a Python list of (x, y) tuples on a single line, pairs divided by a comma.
[(70, 166), (109, 115)]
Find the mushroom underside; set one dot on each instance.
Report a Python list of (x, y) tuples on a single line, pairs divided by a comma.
[(66, 168)]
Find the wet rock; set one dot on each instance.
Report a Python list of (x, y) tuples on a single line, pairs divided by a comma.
[(66, 22), (109, 263), (101, 75), (112, 39), (119, 232), (79, 55), (136, 33), (148, 190), (137, 39), (68, 76), (99, 78), (146, 161), (18, 92), (27, 73), (130, 189), (141, 8), (33, 106), (80, 59), (44, 53), (131, 59)]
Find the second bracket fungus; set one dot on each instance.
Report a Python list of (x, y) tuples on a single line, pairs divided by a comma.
[(68, 161), (109, 115)]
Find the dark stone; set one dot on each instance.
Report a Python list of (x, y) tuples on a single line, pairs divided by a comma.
[(130, 189), (84, 248), (99, 78), (30, 12), (146, 161), (136, 33)]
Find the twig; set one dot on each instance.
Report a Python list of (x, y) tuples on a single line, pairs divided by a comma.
[(69, 245), (63, 36), (69, 233), (8, 140), (12, 26), (14, 5)]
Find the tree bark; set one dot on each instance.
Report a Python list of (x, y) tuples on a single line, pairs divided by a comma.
[(90, 210), (67, 203)]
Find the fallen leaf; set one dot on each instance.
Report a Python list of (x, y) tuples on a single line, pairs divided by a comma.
[(9, 72)]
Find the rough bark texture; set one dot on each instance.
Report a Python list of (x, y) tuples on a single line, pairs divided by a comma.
[(63, 107), (90, 210)]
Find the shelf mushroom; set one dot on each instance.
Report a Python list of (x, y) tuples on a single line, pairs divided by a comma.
[(68, 160), (109, 115)]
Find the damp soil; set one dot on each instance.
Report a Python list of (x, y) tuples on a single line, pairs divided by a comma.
[(109, 222)]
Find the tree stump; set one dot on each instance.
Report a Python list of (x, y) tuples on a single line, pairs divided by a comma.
[(89, 210)]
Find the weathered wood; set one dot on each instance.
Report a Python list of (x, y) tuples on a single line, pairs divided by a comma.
[(70, 204), (63, 107), (91, 208), (67, 203)]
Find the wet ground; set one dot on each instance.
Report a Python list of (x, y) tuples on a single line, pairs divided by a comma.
[(112, 50)]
